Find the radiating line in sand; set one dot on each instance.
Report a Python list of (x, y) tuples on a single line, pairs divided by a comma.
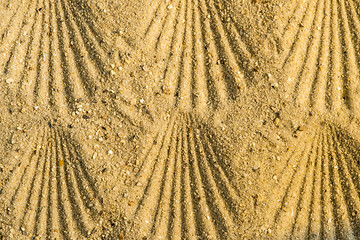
[(201, 58), (51, 53), (317, 194), (184, 185), (320, 55), (49, 192)]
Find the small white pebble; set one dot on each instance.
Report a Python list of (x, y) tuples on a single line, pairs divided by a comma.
[(110, 152), (9, 80), (275, 85)]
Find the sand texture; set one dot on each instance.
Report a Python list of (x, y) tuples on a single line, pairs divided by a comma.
[(179, 119)]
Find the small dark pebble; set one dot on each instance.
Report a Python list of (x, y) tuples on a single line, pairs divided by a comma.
[(85, 117), (70, 126), (50, 125)]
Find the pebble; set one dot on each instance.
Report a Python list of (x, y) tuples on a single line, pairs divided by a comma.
[(110, 152), (9, 80), (169, 6), (302, 128), (275, 85), (256, 166), (277, 121)]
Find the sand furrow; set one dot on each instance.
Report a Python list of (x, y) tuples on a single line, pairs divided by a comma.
[(205, 119), (348, 184), (50, 193), (52, 57), (94, 39), (200, 58), (182, 189), (320, 63), (9, 13), (322, 200)]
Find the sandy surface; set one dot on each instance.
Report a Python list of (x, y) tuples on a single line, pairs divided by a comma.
[(179, 119)]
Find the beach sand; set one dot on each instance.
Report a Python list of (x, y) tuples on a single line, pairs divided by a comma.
[(179, 119)]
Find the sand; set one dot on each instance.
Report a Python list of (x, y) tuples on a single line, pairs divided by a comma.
[(179, 119)]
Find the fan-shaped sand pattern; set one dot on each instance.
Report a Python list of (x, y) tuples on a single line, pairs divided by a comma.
[(201, 58), (320, 55), (184, 185), (319, 191), (49, 192), (51, 53)]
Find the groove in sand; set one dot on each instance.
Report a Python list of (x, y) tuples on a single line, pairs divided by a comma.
[(184, 185), (201, 57), (319, 191), (320, 55), (49, 192), (50, 54)]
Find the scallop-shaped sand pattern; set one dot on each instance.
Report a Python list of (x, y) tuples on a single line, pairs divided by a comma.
[(184, 186), (49, 193), (320, 55), (51, 53), (201, 57), (319, 185)]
